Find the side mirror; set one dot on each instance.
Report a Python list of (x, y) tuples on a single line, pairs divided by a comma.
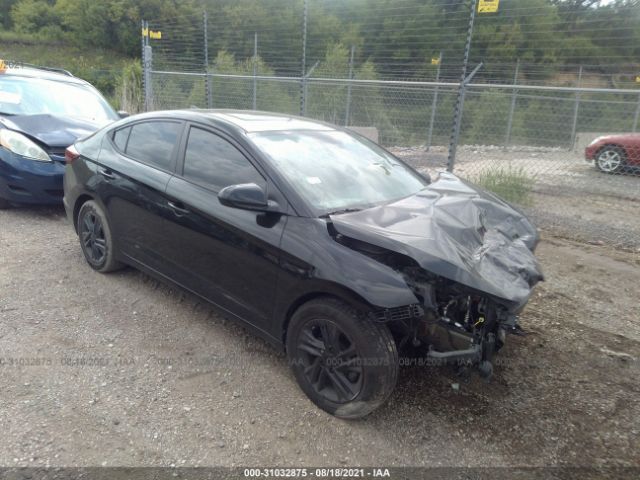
[(247, 196), (123, 114)]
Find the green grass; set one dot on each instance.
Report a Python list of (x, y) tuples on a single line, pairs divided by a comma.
[(512, 184)]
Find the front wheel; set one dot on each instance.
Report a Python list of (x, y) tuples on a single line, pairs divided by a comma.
[(611, 159), (96, 240), (345, 363)]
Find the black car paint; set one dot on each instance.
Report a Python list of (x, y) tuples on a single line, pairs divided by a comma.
[(256, 266), (455, 231)]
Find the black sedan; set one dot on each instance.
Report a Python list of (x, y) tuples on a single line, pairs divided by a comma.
[(319, 240)]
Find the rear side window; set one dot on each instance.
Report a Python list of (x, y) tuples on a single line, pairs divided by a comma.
[(153, 143), (120, 138), (214, 162)]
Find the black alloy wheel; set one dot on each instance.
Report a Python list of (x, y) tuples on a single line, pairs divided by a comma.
[(95, 238), (330, 360), (346, 363)]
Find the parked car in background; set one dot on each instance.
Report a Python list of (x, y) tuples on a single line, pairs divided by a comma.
[(615, 153), (42, 112), (320, 240)]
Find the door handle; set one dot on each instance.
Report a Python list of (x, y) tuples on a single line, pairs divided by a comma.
[(106, 174), (178, 209)]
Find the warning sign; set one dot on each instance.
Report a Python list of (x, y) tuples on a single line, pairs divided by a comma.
[(151, 34), (488, 6)]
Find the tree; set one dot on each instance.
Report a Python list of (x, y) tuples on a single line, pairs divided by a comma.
[(31, 16)]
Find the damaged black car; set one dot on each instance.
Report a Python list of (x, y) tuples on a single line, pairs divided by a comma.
[(319, 240)]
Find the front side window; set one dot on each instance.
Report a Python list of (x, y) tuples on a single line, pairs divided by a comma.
[(335, 171), (212, 161), (153, 143)]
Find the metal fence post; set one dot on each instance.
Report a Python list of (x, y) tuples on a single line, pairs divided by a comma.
[(636, 116), (347, 113), (147, 64), (207, 78), (255, 70), (514, 96), (576, 109), (144, 64), (303, 79), (434, 105), (457, 116), (306, 85)]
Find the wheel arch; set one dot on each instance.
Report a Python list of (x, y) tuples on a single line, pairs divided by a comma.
[(344, 295), (612, 145), (81, 200)]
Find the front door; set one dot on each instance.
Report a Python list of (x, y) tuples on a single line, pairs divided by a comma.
[(225, 254)]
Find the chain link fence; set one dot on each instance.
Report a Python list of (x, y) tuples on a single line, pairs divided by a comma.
[(524, 128)]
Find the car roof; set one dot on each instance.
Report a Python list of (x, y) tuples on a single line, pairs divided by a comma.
[(254, 121), (30, 72), (247, 121)]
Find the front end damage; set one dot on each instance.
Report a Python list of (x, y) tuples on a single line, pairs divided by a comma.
[(467, 257)]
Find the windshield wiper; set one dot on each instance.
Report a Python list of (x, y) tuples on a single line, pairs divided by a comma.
[(7, 114), (344, 210)]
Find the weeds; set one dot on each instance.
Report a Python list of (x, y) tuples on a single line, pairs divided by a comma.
[(512, 184)]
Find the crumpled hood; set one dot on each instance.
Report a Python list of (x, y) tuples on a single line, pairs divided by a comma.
[(457, 231), (52, 130)]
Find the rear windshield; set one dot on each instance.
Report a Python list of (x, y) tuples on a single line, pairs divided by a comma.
[(34, 96)]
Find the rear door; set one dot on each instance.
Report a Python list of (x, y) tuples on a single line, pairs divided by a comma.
[(138, 162), (227, 255)]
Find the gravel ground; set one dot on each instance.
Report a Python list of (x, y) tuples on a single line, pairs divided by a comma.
[(122, 370), (570, 197)]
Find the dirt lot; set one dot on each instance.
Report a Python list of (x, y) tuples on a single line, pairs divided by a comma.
[(122, 370)]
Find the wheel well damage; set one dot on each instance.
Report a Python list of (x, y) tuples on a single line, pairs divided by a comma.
[(451, 323)]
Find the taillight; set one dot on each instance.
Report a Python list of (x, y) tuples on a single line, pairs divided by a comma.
[(71, 154)]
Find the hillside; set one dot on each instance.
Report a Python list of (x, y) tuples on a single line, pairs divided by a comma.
[(103, 68)]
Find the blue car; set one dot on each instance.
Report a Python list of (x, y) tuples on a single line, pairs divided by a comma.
[(42, 112)]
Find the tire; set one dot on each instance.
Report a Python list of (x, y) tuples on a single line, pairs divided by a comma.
[(611, 159), (345, 363), (4, 204), (95, 237)]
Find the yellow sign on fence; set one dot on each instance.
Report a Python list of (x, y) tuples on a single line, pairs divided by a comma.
[(637, 78), (435, 61), (151, 34), (488, 6)]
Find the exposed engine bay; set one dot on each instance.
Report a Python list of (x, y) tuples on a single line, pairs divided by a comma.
[(451, 324), (467, 257)]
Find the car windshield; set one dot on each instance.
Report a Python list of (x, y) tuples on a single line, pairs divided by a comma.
[(336, 171), (33, 96)]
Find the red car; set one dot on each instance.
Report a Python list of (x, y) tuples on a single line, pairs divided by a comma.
[(615, 153)]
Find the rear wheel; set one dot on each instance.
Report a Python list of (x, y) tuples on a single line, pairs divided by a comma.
[(95, 238), (611, 159), (4, 204), (345, 363)]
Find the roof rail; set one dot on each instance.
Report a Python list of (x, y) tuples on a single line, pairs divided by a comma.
[(48, 69)]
